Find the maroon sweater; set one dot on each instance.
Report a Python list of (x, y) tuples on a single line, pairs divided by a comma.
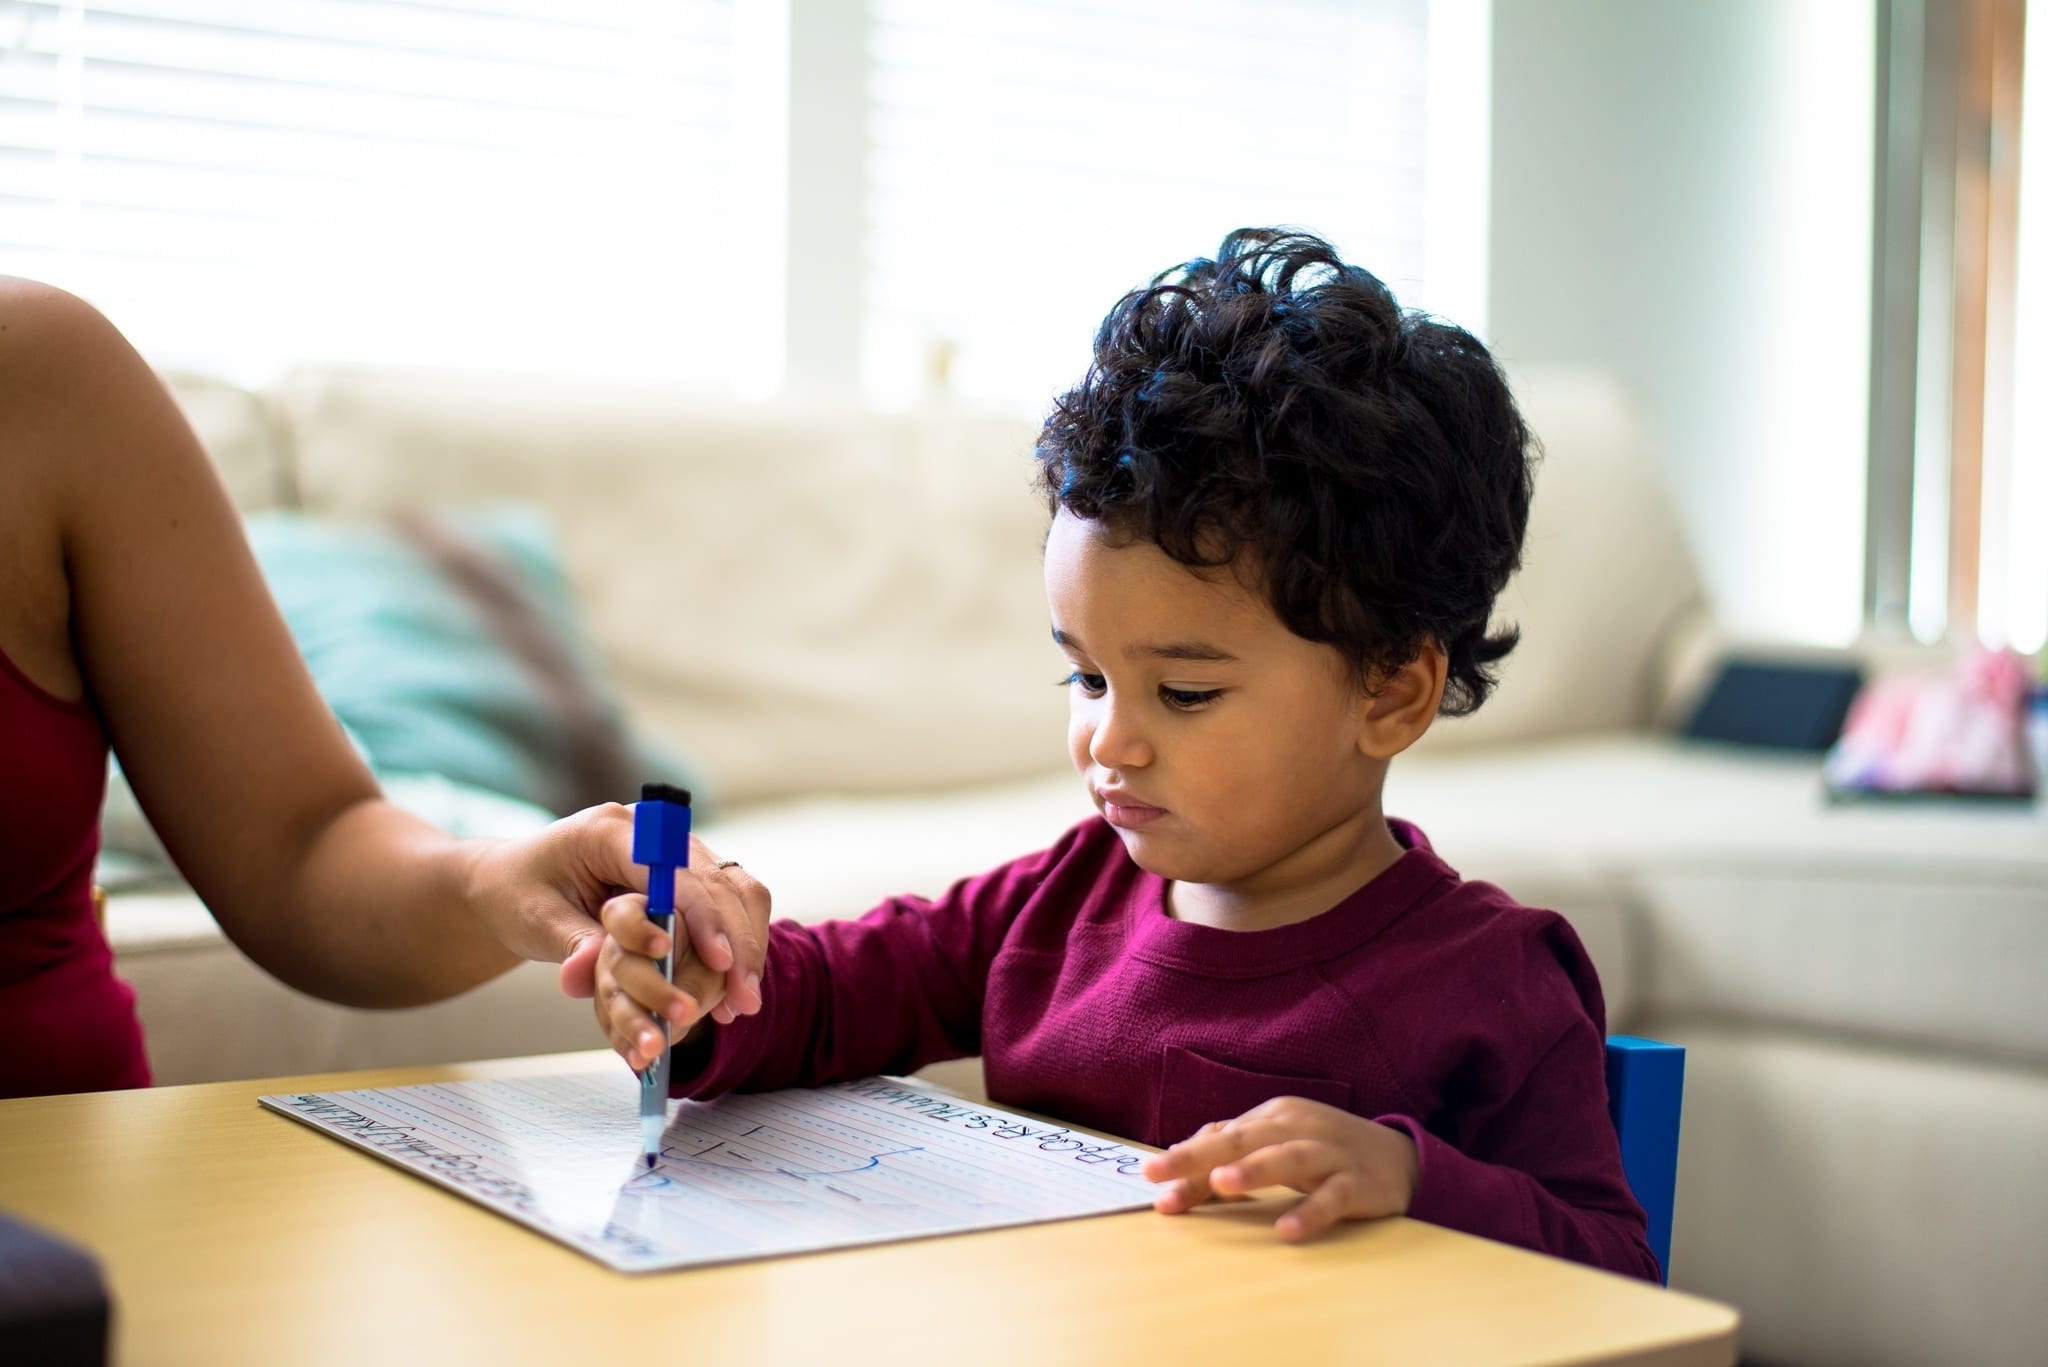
[(1442, 1007)]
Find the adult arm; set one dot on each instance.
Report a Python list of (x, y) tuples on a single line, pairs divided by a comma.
[(231, 752)]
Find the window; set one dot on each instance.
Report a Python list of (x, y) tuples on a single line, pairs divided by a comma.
[(241, 184), (744, 195), (1959, 452), (2023, 586), (1030, 160)]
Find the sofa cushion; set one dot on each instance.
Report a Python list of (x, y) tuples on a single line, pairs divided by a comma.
[(1605, 574), (232, 425), (1750, 897), (808, 600), (449, 645), (209, 1014), (1862, 1207)]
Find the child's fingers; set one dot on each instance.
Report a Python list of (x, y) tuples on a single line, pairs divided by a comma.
[(637, 1036), (635, 1002), (621, 1025), (625, 920), (1335, 1199), (1215, 1144), (1185, 1168), (1299, 1163), (644, 982), (750, 938), (727, 911), (1183, 1194)]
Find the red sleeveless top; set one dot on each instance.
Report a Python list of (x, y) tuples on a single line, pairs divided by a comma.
[(67, 1024)]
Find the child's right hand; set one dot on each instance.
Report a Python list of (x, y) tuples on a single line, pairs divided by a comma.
[(717, 971)]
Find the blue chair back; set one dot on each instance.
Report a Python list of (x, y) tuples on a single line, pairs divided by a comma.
[(1645, 1084)]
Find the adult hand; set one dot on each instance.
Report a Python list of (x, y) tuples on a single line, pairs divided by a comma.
[(540, 894), (1349, 1167), (543, 896)]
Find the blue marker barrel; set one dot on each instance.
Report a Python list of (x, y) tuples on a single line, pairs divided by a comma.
[(661, 841)]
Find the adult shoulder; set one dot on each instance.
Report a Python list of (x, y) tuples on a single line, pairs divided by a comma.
[(46, 331)]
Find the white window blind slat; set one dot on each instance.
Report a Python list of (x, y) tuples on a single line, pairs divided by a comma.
[(187, 118), (512, 184), (455, 75), (296, 174), (542, 32)]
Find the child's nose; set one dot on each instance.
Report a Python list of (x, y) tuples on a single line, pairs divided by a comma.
[(1119, 742)]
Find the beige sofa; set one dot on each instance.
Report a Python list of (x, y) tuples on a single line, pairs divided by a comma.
[(838, 615)]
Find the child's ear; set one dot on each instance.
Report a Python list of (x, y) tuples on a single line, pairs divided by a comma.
[(1403, 704)]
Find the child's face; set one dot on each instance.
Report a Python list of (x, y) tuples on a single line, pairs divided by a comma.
[(1220, 745)]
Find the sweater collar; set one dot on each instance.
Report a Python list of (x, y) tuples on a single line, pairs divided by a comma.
[(1157, 937)]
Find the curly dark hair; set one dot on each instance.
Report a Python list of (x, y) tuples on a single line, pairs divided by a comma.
[(1277, 409)]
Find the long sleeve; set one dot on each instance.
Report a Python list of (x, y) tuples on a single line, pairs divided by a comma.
[(901, 987), (1540, 1171)]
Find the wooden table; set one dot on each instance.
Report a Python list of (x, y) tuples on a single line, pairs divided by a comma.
[(232, 1235)]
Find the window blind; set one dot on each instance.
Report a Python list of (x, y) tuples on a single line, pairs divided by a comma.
[(506, 184), (1030, 160)]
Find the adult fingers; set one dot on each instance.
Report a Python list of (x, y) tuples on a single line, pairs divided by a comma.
[(701, 983), (742, 986), (602, 839), (543, 888), (751, 958), (578, 974), (705, 907), (709, 919), (726, 912), (745, 906)]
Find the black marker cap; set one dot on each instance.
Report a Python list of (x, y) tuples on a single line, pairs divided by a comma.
[(664, 792)]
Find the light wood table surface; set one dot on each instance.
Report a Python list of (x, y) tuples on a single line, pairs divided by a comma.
[(232, 1235)]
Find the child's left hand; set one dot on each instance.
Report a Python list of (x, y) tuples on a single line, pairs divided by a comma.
[(1351, 1168)]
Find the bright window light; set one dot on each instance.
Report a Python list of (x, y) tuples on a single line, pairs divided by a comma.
[(1031, 160), (536, 185), (1458, 162), (2019, 616)]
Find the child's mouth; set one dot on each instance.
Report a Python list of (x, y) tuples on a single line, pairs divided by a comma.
[(1131, 816)]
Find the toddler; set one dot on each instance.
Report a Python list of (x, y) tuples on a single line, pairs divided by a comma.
[(1282, 508)]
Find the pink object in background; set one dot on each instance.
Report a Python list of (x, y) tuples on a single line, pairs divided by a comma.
[(1960, 732)]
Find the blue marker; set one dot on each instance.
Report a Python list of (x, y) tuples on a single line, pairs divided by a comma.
[(661, 841)]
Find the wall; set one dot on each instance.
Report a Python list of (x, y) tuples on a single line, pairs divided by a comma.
[(1682, 194)]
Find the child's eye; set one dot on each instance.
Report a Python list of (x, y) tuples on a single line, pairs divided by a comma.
[(1091, 684), (1188, 699)]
